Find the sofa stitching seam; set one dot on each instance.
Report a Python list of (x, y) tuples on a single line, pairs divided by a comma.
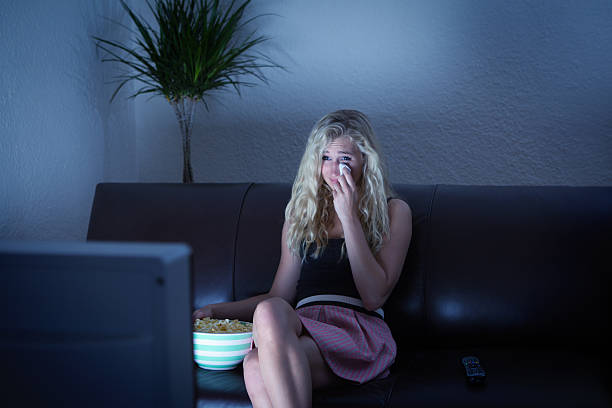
[(246, 192), (428, 261)]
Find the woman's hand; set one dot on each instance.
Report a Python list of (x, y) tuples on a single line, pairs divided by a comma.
[(346, 197), (203, 312)]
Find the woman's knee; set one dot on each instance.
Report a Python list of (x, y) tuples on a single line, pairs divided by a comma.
[(271, 311), (273, 320)]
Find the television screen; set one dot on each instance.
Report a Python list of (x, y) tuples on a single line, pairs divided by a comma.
[(96, 324)]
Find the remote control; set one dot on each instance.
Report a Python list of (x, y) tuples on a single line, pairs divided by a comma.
[(474, 373)]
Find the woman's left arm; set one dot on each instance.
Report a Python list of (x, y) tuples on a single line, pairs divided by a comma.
[(374, 276)]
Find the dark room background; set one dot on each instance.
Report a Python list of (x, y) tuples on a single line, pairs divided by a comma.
[(459, 92)]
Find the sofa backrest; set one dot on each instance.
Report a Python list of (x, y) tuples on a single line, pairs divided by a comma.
[(205, 216), (486, 265), (528, 264)]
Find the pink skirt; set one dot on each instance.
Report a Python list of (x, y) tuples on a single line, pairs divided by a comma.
[(356, 346)]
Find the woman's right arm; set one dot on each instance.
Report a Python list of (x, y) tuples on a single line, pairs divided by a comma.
[(284, 286), (241, 310)]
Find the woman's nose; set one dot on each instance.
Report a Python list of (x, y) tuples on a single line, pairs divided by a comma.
[(335, 168)]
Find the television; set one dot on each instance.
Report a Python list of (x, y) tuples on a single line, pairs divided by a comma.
[(96, 324)]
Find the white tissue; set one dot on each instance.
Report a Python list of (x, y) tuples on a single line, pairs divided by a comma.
[(344, 166)]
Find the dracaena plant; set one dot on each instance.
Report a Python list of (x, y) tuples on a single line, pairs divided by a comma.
[(192, 48)]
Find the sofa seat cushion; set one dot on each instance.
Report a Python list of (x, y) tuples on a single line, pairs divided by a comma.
[(515, 378), (227, 389), (534, 377)]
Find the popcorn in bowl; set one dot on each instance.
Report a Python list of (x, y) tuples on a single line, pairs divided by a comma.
[(221, 344), (208, 325)]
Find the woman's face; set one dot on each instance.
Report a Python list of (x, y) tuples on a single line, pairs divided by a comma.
[(341, 150)]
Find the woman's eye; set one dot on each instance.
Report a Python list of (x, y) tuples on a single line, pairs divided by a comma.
[(346, 158), (325, 158)]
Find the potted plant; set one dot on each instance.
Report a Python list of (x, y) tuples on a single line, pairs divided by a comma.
[(194, 47)]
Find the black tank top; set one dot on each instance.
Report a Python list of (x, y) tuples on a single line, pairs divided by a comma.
[(329, 273)]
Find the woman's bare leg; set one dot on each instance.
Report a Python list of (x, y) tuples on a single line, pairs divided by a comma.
[(253, 381), (320, 373), (284, 366), (322, 376), (289, 363)]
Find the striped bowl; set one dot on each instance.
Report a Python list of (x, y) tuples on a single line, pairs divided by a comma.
[(221, 351)]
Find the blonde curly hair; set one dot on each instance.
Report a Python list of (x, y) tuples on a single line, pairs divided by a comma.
[(308, 211)]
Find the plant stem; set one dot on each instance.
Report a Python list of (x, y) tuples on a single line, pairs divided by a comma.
[(184, 108)]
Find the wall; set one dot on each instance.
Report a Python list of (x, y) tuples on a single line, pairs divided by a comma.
[(465, 92), (59, 135)]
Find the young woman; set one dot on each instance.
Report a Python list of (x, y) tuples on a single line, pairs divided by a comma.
[(343, 246)]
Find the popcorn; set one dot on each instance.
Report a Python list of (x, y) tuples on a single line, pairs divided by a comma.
[(208, 325)]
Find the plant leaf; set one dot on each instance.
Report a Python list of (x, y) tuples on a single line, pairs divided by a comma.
[(193, 47)]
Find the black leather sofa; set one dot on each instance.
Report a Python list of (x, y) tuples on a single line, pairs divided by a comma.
[(516, 275)]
